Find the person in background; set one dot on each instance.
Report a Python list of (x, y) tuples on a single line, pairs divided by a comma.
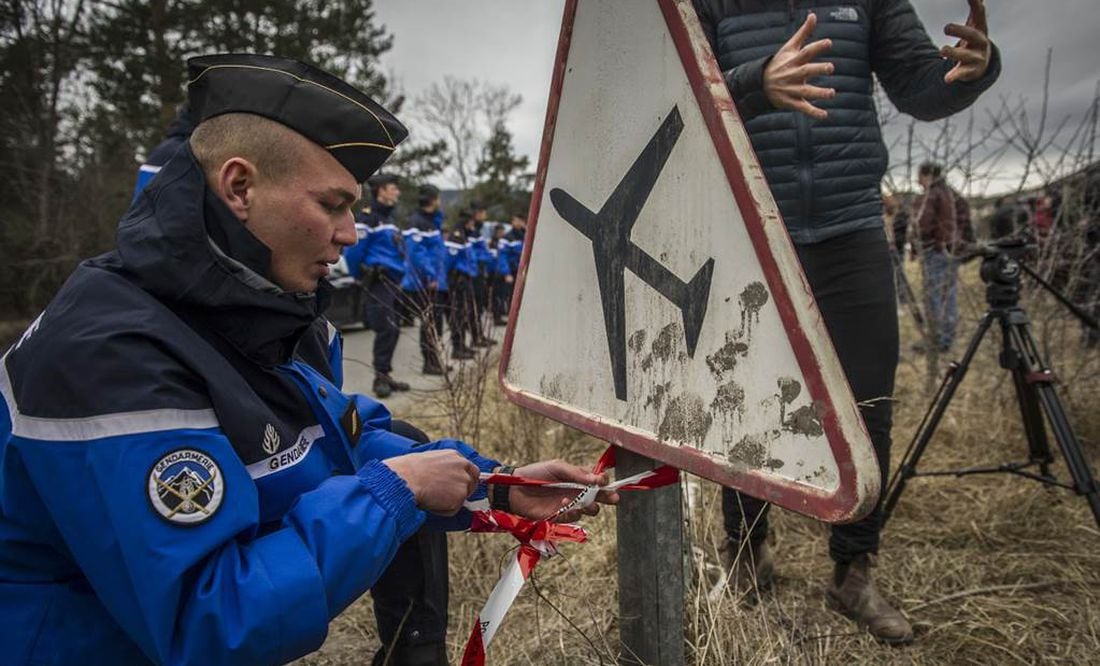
[(801, 75), (501, 277), (473, 229), (462, 270), (425, 282), (175, 136), (377, 261), (938, 234)]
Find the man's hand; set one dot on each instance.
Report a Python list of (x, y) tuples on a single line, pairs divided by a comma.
[(509, 279), (440, 480), (973, 50), (788, 72), (541, 503)]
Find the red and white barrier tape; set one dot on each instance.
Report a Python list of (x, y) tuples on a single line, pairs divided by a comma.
[(537, 539)]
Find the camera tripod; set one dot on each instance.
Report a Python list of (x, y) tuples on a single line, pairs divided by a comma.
[(1031, 377)]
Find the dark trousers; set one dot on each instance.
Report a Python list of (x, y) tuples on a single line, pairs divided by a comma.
[(852, 280), (480, 305), (462, 313), (380, 316), (429, 306), (410, 599), (501, 296)]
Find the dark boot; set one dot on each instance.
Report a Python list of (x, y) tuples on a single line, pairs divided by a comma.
[(463, 354), (397, 385), (434, 368), (382, 386), (751, 569), (853, 594)]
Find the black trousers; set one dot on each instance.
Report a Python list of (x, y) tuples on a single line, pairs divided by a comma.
[(480, 305), (852, 280), (410, 599), (463, 309), (380, 315), (430, 306), (501, 296)]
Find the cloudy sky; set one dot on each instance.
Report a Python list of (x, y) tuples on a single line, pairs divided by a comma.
[(513, 42)]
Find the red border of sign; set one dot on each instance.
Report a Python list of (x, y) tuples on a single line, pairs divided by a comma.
[(703, 74)]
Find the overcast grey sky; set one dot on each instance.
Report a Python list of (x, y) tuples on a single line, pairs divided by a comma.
[(513, 42)]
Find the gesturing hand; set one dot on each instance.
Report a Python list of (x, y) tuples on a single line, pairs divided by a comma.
[(787, 74), (440, 480), (973, 50), (539, 503)]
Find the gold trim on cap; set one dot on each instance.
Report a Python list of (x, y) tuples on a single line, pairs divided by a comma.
[(390, 147), (357, 144)]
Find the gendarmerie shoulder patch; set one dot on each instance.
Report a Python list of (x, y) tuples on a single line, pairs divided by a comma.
[(186, 487)]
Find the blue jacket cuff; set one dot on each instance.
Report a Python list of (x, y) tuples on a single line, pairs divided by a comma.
[(394, 495)]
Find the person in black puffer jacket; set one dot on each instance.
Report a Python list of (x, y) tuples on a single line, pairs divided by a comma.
[(810, 114)]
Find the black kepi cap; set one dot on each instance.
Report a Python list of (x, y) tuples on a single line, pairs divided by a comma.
[(356, 130)]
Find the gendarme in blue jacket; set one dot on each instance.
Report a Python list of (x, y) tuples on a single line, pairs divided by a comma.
[(380, 243), (426, 256), (182, 480)]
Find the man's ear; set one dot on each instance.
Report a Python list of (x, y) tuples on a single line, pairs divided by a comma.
[(235, 185)]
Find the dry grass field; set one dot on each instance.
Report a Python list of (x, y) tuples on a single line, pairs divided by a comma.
[(992, 569)]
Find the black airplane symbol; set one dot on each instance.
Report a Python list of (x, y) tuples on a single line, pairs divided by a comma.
[(609, 230)]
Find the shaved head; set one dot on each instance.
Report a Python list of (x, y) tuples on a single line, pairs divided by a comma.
[(273, 148)]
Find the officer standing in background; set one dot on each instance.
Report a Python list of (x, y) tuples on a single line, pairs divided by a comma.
[(174, 137), (501, 277), (378, 262), (462, 268)]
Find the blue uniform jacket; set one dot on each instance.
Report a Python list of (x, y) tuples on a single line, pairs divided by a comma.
[(479, 248), (513, 252), (426, 254), (461, 257), (175, 137), (499, 265), (182, 479), (380, 243)]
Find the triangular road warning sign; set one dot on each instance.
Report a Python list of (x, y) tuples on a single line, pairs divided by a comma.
[(661, 305)]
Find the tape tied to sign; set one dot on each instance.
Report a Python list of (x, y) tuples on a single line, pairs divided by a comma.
[(538, 539)]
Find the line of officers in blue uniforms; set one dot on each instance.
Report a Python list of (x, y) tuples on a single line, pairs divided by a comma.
[(460, 276)]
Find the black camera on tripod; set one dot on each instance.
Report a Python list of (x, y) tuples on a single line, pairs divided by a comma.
[(1002, 266)]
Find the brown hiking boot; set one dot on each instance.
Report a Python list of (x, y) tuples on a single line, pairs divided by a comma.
[(751, 569), (853, 594)]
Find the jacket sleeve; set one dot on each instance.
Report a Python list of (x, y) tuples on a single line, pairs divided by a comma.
[(911, 69), (745, 81), (221, 590), (379, 442)]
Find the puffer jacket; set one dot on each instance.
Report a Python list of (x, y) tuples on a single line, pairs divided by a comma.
[(825, 175)]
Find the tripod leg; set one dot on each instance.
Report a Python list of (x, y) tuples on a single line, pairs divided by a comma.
[(1015, 358), (908, 467), (1041, 380)]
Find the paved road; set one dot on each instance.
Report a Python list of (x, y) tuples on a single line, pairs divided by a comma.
[(359, 373)]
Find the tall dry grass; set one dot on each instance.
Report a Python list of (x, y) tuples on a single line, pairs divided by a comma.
[(993, 569)]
